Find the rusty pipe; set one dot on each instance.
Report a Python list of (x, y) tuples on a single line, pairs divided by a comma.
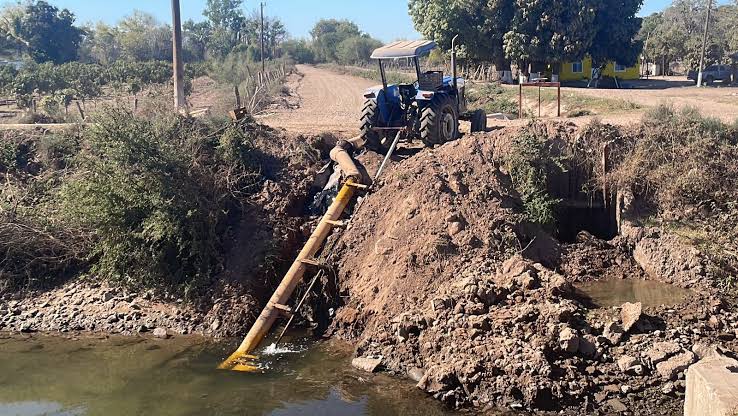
[(340, 154), (294, 275)]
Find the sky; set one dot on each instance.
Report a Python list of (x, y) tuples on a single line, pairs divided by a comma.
[(385, 20)]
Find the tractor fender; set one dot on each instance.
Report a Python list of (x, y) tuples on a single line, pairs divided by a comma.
[(385, 102)]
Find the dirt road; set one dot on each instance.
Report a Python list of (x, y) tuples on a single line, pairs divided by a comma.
[(328, 102)]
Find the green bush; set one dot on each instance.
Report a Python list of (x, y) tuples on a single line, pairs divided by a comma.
[(529, 162), (157, 196)]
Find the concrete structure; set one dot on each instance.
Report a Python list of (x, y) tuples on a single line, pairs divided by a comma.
[(712, 387), (575, 71)]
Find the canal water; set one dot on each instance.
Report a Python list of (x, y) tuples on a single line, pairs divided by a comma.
[(614, 292), (42, 375)]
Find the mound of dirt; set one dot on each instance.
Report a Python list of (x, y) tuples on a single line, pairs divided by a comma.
[(434, 215), (442, 279)]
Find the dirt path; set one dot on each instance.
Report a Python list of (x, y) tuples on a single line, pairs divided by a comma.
[(329, 102)]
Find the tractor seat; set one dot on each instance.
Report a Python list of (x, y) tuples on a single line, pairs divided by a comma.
[(430, 80)]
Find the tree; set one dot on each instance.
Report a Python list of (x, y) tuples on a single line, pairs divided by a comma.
[(196, 37), (143, 38), (327, 34), (299, 50), (44, 31), (676, 33), (226, 22), (356, 50), (101, 44), (617, 28), (479, 24), (550, 31), (531, 31)]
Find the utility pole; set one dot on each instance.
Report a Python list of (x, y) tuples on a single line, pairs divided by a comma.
[(263, 68), (704, 43), (179, 96)]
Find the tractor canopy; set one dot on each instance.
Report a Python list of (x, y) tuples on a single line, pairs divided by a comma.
[(404, 49)]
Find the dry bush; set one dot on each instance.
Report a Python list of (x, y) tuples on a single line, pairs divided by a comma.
[(681, 167)]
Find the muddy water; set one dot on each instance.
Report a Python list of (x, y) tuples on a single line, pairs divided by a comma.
[(137, 376), (614, 292)]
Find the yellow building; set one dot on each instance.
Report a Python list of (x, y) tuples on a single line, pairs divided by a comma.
[(574, 71)]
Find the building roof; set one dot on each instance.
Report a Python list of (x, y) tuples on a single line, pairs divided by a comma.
[(404, 49)]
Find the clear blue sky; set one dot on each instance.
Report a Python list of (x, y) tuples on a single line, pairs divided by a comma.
[(384, 19)]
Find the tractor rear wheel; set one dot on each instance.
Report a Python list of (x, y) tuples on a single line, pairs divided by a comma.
[(479, 121), (439, 122), (369, 119)]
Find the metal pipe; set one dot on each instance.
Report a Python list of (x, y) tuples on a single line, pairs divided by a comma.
[(294, 275), (453, 60), (340, 155), (387, 156)]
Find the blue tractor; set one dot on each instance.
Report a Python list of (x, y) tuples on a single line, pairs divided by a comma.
[(428, 109)]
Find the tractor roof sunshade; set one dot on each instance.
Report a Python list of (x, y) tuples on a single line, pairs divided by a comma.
[(404, 49)]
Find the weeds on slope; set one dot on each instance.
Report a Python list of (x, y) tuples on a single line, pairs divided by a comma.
[(142, 202), (681, 167)]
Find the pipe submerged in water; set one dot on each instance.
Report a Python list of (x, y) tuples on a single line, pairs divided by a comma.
[(242, 358)]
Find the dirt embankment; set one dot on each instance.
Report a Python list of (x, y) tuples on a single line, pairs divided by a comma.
[(444, 280), (266, 238)]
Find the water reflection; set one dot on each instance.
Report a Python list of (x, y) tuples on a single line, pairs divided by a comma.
[(614, 292), (137, 376)]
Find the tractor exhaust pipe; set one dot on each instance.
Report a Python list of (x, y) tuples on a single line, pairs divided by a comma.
[(453, 60)]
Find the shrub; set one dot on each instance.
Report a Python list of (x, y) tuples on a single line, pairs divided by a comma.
[(157, 196), (529, 162)]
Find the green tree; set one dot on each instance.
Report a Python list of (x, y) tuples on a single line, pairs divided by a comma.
[(143, 38), (226, 20), (327, 34), (101, 44), (617, 28), (44, 31), (479, 24), (356, 50), (299, 50), (549, 31), (196, 37)]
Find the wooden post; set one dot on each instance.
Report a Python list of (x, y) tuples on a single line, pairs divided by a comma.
[(81, 112), (178, 65), (238, 96), (558, 93), (520, 100), (263, 67)]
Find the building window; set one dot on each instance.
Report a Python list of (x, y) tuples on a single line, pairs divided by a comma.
[(576, 67), (620, 68)]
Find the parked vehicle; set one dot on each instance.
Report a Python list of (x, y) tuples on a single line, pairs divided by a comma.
[(428, 109), (712, 73)]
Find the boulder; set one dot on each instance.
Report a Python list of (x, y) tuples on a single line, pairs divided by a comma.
[(369, 365), (712, 387), (569, 340), (160, 333), (626, 362), (661, 351), (670, 368), (613, 332), (630, 313)]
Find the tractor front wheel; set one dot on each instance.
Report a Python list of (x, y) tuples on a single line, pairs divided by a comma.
[(439, 122)]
